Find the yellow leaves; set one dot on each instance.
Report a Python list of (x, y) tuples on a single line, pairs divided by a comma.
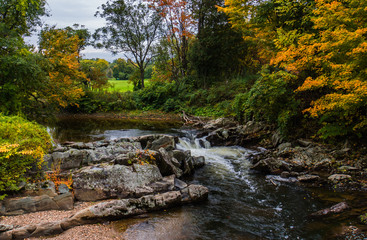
[(65, 78), (8, 147)]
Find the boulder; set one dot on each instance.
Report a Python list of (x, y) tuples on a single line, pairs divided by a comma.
[(308, 178), (157, 141), (111, 181), (166, 142), (219, 123), (284, 146), (167, 164), (271, 165), (323, 165), (338, 208), (198, 161), (335, 178), (70, 159)]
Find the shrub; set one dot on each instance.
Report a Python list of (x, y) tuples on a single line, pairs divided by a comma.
[(103, 101), (272, 99), (22, 147)]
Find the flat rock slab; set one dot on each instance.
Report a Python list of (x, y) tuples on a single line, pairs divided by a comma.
[(111, 210), (308, 178), (18, 206), (339, 177)]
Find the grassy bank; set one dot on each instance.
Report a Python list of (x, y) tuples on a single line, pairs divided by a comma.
[(123, 85)]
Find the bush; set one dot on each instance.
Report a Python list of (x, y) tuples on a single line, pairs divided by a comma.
[(272, 99), (22, 147), (103, 101)]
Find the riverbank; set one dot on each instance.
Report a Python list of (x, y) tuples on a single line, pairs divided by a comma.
[(137, 114)]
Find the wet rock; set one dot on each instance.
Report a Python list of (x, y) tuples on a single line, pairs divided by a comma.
[(198, 161), (339, 178), (111, 181), (308, 178), (167, 164), (180, 184), (166, 142), (194, 193), (60, 149), (351, 233), (181, 156), (271, 165), (338, 208)]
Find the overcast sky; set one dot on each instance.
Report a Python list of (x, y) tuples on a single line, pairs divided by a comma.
[(68, 12)]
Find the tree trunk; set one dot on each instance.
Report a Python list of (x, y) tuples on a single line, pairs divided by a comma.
[(142, 77)]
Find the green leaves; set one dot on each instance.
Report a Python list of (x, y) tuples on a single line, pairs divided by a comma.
[(22, 147)]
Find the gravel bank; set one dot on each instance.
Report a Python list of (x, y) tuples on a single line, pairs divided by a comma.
[(85, 232)]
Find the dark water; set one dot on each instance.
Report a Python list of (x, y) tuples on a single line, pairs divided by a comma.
[(86, 129), (242, 204)]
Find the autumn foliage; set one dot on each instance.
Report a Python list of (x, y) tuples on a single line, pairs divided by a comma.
[(22, 147), (326, 52), (62, 51)]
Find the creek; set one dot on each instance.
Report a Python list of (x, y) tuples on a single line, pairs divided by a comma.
[(242, 204)]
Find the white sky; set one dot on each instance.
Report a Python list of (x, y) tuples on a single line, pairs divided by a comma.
[(68, 12)]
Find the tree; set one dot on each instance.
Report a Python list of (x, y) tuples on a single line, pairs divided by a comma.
[(122, 69), (21, 71), (179, 28), (131, 28), (83, 35), (96, 71), (218, 52), (331, 65), (65, 78)]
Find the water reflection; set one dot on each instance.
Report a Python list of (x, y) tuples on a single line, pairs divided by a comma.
[(85, 129)]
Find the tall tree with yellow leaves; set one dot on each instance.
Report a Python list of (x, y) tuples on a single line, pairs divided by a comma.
[(65, 78)]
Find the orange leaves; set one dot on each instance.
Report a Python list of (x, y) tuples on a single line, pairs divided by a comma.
[(177, 15)]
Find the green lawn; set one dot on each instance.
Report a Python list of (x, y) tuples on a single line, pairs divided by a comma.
[(123, 85)]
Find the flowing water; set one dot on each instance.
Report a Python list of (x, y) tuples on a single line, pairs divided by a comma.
[(241, 204)]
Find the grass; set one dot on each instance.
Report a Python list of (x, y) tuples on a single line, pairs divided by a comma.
[(123, 85)]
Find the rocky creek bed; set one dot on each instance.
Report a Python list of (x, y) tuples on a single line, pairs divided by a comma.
[(136, 175)]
